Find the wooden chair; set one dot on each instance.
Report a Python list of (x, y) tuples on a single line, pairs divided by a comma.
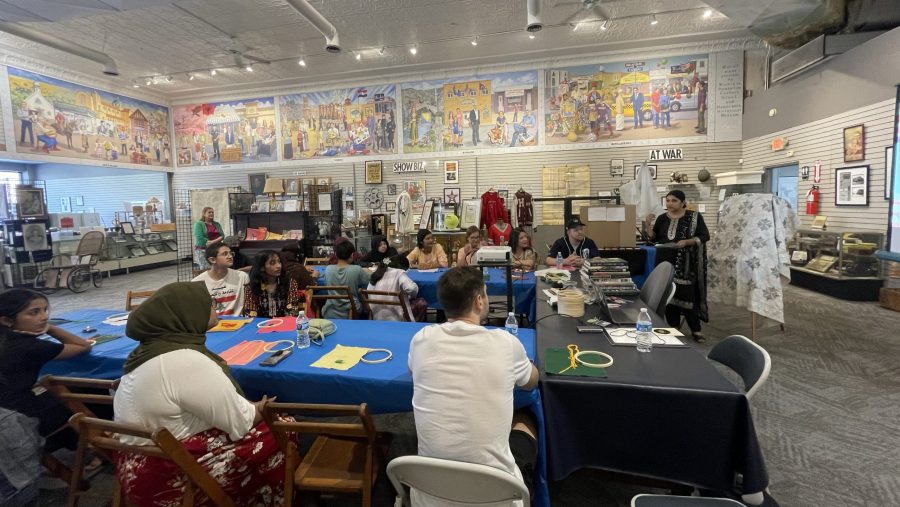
[(313, 295), (98, 434), (344, 458), (315, 261), (61, 389), (136, 294), (387, 298)]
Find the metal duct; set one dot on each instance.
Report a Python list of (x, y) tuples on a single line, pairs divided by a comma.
[(332, 42), (535, 24), (109, 65)]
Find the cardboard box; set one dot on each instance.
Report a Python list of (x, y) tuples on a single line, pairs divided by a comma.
[(610, 225), (162, 227)]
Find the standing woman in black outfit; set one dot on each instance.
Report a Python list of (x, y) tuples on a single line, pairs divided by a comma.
[(687, 235)]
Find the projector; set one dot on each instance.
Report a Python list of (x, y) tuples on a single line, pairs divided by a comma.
[(493, 254)]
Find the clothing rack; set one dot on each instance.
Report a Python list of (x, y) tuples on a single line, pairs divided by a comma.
[(567, 202)]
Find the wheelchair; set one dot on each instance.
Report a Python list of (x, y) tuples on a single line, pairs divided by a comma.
[(78, 276)]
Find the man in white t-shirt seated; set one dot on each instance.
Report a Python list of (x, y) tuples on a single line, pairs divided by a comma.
[(464, 376), (225, 285)]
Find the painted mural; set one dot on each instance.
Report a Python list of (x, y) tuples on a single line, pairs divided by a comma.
[(651, 98), (339, 123), (235, 132), (58, 118), (497, 110)]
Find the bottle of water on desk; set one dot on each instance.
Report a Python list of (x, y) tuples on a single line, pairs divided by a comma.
[(512, 325), (644, 332), (559, 260), (302, 330)]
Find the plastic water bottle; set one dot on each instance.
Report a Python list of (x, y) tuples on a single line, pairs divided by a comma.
[(586, 254), (512, 325), (302, 330), (644, 332), (559, 260)]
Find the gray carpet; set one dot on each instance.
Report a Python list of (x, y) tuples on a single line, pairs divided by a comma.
[(828, 418)]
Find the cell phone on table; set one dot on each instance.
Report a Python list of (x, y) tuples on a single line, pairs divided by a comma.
[(276, 357)]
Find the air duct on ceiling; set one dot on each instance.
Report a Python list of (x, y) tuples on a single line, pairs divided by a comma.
[(332, 42), (109, 65), (535, 24)]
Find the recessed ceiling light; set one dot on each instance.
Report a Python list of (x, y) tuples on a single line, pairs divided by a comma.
[(381, 51), (169, 79), (302, 62), (212, 72), (707, 13), (475, 41), (653, 19), (136, 85), (149, 82), (358, 56), (605, 24), (190, 77), (413, 50), (249, 68), (531, 36)]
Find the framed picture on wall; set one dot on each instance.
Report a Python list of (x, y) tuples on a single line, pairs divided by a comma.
[(851, 186), (617, 167), (888, 172), (373, 172), (291, 186), (323, 181), (451, 195), (855, 143), (392, 189), (451, 171), (652, 169), (30, 202), (65, 204), (471, 213), (257, 183)]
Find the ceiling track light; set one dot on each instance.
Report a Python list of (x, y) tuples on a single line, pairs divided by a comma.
[(249, 68), (413, 50), (358, 56), (531, 36), (653, 20), (135, 85), (381, 51), (302, 62), (169, 79), (707, 13), (475, 40), (190, 76), (212, 72)]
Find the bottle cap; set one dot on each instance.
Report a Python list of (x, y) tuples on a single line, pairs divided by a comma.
[(511, 314), (643, 309)]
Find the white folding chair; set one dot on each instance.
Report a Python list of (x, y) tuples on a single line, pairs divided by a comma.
[(455, 481), (746, 358)]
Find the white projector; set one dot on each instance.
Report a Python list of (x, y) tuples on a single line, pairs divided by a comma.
[(492, 254)]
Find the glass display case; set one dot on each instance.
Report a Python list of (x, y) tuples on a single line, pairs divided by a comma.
[(838, 263)]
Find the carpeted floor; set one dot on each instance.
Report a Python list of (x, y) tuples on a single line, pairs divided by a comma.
[(828, 418)]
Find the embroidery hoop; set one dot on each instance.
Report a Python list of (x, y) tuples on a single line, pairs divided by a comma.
[(117, 319), (272, 344), (593, 353), (266, 324), (376, 361)]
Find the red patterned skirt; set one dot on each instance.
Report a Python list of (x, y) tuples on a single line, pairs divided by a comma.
[(250, 470)]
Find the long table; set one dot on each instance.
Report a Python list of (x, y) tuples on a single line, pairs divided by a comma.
[(523, 287), (385, 387), (668, 414)]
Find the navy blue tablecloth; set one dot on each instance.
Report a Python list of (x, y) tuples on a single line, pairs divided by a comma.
[(385, 387)]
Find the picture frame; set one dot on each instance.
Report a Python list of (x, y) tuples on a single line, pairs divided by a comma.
[(292, 186), (65, 204), (451, 171), (451, 195), (240, 202), (257, 182), (373, 172), (392, 189), (855, 143), (378, 224), (653, 170), (324, 201), (888, 172), (127, 227), (425, 219), (471, 213), (851, 186), (503, 193), (30, 203), (390, 207), (323, 181), (79, 200), (617, 167), (34, 237)]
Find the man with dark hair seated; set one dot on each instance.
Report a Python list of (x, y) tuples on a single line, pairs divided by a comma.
[(292, 258), (225, 285), (463, 381)]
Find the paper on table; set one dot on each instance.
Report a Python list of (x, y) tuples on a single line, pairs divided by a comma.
[(658, 338), (597, 214), (616, 214), (341, 358), (432, 270)]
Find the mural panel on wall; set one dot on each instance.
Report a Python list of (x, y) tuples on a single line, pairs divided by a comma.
[(58, 118), (338, 123), (651, 98), (235, 132), (487, 111)]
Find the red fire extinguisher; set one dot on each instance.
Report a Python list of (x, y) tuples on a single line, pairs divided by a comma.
[(812, 201)]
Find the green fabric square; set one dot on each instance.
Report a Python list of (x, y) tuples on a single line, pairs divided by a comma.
[(557, 360)]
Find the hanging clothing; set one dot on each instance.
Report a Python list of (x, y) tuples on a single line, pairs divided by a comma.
[(404, 217), (524, 209), (492, 207), (690, 266), (749, 256), (500, 236)]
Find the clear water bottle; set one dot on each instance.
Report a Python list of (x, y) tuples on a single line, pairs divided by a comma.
[(586, 254), (644, 331), (559, 260), (302, 330), (512, 325)]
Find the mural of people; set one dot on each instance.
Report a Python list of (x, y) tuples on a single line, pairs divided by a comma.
[(234, 132), (50, 112)]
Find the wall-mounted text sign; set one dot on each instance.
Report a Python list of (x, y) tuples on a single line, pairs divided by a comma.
[(666, 154), (409, 167)]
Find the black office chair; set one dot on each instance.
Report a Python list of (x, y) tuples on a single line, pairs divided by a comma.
[(746, 358), (681, 501), (657, 288)]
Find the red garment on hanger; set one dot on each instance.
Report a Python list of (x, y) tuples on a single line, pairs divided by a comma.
[(500, 237), (524, 208), (492, 208)]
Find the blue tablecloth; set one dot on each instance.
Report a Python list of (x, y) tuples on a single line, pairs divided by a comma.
[(523, 289), (386, 387)]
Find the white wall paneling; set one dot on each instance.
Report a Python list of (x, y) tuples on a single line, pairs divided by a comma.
[(823, 140), (107, 193)]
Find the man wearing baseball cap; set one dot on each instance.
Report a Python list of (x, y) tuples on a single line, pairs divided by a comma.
[(572, 245)]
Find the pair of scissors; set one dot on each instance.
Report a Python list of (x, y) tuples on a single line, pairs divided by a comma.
[(573, 349)]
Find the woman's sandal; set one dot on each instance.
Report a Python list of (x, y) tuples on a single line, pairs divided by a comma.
[(698, 337)]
